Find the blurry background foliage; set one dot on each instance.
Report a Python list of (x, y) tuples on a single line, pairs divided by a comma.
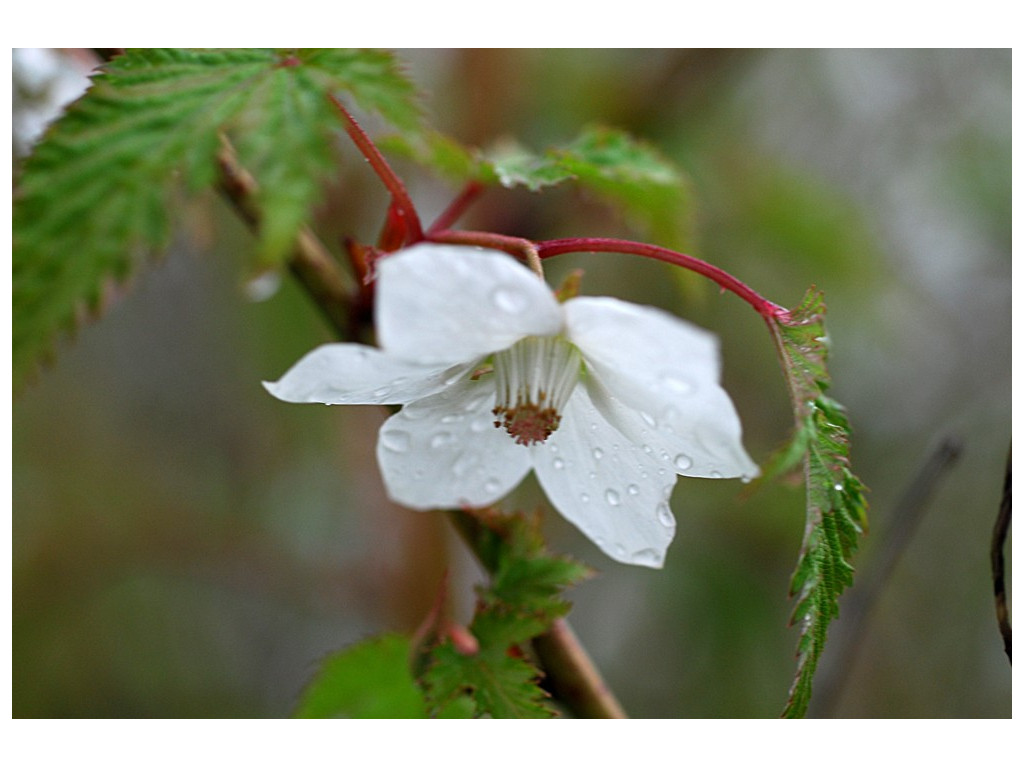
[(185, 545)]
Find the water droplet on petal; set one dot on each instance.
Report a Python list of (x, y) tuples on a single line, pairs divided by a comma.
[(442, 439), (481, 424), (612, 497), (677, 384), (647, 449), (463, 464), (598, 453), (632, 490), (585, 498), (648, 419), (510, 300), (415, 410), (381, 392), (716, 475), (647, 557), (683, 462), (451, 418), (620, 550), (396, 440), (748, 478), (492, 485), (665, 516), (558, 463)]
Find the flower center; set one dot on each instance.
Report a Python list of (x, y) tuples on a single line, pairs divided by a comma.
[(534, 378)]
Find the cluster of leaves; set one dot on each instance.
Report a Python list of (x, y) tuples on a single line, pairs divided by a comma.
[(438, 675), (836, 508)]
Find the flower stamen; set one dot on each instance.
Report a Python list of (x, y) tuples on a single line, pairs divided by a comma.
[(534, 379)]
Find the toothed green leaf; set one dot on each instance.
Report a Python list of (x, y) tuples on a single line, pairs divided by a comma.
[(626, 173), (98, 192), (836, 507), (520, 604)]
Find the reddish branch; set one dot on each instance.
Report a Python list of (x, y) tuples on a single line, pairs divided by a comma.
[(403, 204), (766, 308)]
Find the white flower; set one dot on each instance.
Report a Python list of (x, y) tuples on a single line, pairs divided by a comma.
[(605, 401)]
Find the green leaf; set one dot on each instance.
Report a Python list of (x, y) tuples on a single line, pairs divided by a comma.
[(628, 174), (520, 604), (515, 166), (95, 195), (633, 176), (499, 683), (369, 680), (836, 507)]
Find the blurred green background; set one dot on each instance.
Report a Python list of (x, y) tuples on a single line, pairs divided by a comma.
[(186, 546)]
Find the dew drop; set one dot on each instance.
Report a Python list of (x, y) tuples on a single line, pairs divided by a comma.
[(585, 498), (415, 411), (649, 420), (263, 286), (442, 439), (557, 463), (665, 516), (481, 424), (380, 392), (593, 475), (492, 485), (612, 497), (396, 440), (716, 475), (647, 557), (510, 300), (451, 418), (683, 462), (620, 550), (633, 490), (598, 453), (462, 465), (745, 478), (677, 384), (647, 449), (838, 486)]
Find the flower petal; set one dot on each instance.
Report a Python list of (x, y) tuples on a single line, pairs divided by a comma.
[(444, 451), (655, 377), (608, 488), (450, 303), (352, 374)]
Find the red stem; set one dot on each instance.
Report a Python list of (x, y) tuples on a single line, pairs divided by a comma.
[(768, 309), (403, 203), (457, 207)]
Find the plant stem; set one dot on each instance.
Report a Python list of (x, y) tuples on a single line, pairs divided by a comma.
[(456, 207), (569, 670), (310, 262), (399, 194), (572, 674), (548, 248), (520, 247), (999, 534)]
